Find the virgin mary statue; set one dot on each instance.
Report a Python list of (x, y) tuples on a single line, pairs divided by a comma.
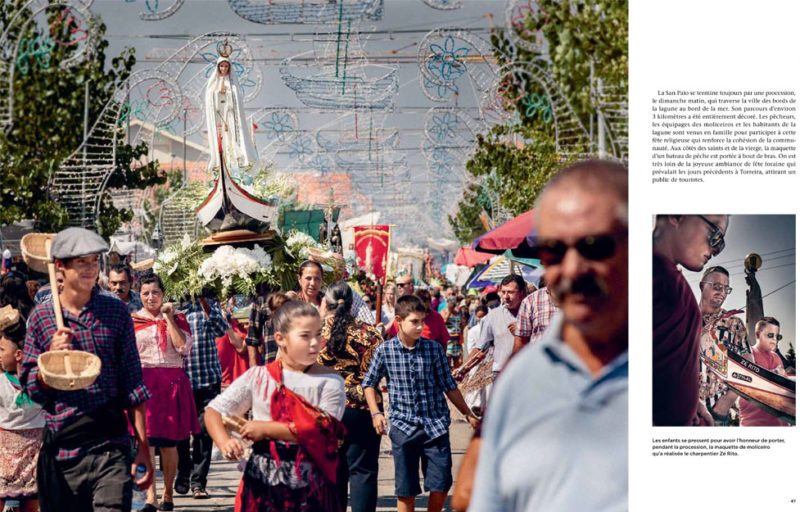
[(234, 159)]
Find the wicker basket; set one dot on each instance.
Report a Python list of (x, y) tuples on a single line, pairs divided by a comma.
[(332, 259), (8, 317), (34, 250), (69, 370), (141, 266)]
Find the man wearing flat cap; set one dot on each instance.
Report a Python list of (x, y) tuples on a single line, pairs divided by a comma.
[(86, 459)]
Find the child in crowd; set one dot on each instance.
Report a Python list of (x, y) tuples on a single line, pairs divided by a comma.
[(21, 420), (418, 376), (297, 405)]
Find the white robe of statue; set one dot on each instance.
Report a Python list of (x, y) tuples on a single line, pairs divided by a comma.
[(225, 119)]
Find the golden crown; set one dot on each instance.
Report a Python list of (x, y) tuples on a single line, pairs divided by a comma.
[(224, 49)]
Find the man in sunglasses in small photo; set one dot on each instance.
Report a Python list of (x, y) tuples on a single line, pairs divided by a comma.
[(556, 430), (768, 333), (729, 329), (689, 241)]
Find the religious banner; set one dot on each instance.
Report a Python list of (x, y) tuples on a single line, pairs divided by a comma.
[(372, 249)]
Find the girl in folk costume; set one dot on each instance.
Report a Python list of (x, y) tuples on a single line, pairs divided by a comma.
[(21, 420), (296, 431), (163, 338)]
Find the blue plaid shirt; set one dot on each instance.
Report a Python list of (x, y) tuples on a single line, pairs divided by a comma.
[(417, 380), (202, 365), (135, 303), (104, 328)]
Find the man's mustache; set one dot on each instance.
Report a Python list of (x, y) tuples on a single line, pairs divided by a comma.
[(588, 285)]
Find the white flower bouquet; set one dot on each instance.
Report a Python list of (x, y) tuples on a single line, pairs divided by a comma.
[(239, 270)]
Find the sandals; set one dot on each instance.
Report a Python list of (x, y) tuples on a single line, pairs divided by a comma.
[(200, 494)]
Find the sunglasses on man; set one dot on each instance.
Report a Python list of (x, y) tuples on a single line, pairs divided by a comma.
[(592, 247), (772, 335), (719, 287), (716, 238)]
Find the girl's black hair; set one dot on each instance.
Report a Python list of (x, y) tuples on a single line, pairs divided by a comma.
[(339, 299), (14, 293), (16, 333), (282, 321)]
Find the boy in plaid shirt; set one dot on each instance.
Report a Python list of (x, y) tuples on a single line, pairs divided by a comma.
[(418, 377)]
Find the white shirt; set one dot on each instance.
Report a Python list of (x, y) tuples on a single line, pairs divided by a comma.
[(494, 331), (14, 417), (254, 389)]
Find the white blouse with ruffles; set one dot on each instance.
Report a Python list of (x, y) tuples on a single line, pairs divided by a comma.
[(150, 353), (255, 387)]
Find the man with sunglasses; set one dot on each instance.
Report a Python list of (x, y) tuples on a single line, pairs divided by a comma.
[(728, 329), (768, 333), (405, 285), (556, 429), (689, 241)]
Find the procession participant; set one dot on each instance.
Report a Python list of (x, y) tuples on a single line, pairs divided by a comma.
[(85, 459), (389, 298), (499, 324), (768, 333), (418, 378), (728, 328), (309, 277), (569, 392), (433, 327), (535, 313), (261, 332), (120, 281), (232, 350), (689, 241), (455, 322), (349, 346), (163, 338), (205, 373), (14, 293), (296, 405), (405, 285), (21, 425)]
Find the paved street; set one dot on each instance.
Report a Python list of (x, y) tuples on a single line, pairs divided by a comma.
[(224, 478)]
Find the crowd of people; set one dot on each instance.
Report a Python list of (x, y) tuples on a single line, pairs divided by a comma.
[(301, 393)]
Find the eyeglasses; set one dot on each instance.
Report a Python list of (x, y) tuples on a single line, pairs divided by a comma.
[(716, 239), (772, 335), (592, 247), (719, 287)]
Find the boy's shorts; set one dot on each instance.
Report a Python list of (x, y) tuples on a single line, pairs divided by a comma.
[(437, 462)]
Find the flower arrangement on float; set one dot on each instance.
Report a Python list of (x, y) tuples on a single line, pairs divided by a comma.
[(186, 269)]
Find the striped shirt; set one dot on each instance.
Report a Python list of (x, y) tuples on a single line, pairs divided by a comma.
[(535, 314), (417, 380), (104, 328)]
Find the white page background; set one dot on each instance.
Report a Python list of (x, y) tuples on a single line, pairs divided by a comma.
[(722, 45)]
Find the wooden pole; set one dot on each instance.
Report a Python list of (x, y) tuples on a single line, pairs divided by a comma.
[(51, 270), (378, 304)]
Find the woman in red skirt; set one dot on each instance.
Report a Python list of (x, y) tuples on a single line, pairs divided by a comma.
[(164, 338)]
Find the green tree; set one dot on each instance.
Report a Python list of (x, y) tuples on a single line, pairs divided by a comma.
[(584, 41), (48, 116)]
